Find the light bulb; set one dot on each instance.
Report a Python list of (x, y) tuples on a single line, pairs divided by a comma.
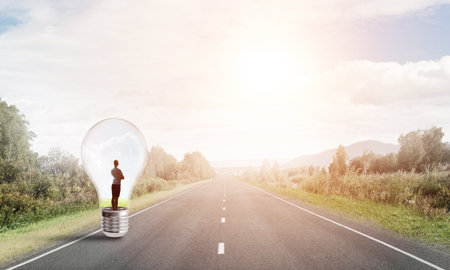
[(109, 140)]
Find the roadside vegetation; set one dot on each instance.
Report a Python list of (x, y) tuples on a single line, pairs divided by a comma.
[(36, 188), (408, 192)]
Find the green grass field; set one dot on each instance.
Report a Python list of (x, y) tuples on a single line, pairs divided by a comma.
[(46, 233), (106, 202), (398, 219)]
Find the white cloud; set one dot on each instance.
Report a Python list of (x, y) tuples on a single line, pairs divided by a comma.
[(170, 68), (367, 82)]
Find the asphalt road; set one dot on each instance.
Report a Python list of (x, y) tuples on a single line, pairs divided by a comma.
[(257, 230)]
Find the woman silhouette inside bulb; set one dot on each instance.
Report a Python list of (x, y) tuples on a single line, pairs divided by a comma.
[(115, 187)]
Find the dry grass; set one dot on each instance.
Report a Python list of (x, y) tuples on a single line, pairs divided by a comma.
[(427, 194)]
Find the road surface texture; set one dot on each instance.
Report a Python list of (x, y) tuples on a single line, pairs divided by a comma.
[(228, 224)]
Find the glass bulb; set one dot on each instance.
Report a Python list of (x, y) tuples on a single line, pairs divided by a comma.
[(109, 140)]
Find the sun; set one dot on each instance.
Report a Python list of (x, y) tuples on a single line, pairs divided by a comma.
[(265, 70), (266, 74)]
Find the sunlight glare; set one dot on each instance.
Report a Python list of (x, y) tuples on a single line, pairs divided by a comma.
[(269, 74), (266, 70)]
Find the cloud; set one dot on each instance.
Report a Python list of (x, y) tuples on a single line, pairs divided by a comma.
[(378, 83), (170, 68)]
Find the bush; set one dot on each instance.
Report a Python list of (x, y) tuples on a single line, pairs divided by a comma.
[(146, 185)]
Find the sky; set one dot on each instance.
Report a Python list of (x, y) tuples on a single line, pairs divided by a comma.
[(236, 80)]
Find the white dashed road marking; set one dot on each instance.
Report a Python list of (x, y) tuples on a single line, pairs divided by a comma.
[(221, 249), (223, 220)]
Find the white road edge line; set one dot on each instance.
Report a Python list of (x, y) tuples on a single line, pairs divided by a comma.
[(222, 220), (221, 249), (353, 230), (54, 250), (99, 230)]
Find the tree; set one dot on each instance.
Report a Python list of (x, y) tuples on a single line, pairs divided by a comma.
[(367, 159), (434, 147), (339, 165), (446, 156), (275, 169), (266, 173), (362, 163), (356, 165), (411, 151), (195, 166), (421, 149), (161, 164), (16, 158), (384, 164), (63, 170), (33, 188)]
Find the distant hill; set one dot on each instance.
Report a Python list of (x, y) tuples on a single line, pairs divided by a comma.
[(324, 158)]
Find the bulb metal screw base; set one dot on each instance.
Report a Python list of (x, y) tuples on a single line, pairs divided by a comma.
[(115, 222)]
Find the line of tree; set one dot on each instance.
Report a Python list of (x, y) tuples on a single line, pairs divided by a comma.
[(420, 151), (163, 165), (34, 187)]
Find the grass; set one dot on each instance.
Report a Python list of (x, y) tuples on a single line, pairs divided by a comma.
[(398, 219), (15, 243), (106, 202)]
